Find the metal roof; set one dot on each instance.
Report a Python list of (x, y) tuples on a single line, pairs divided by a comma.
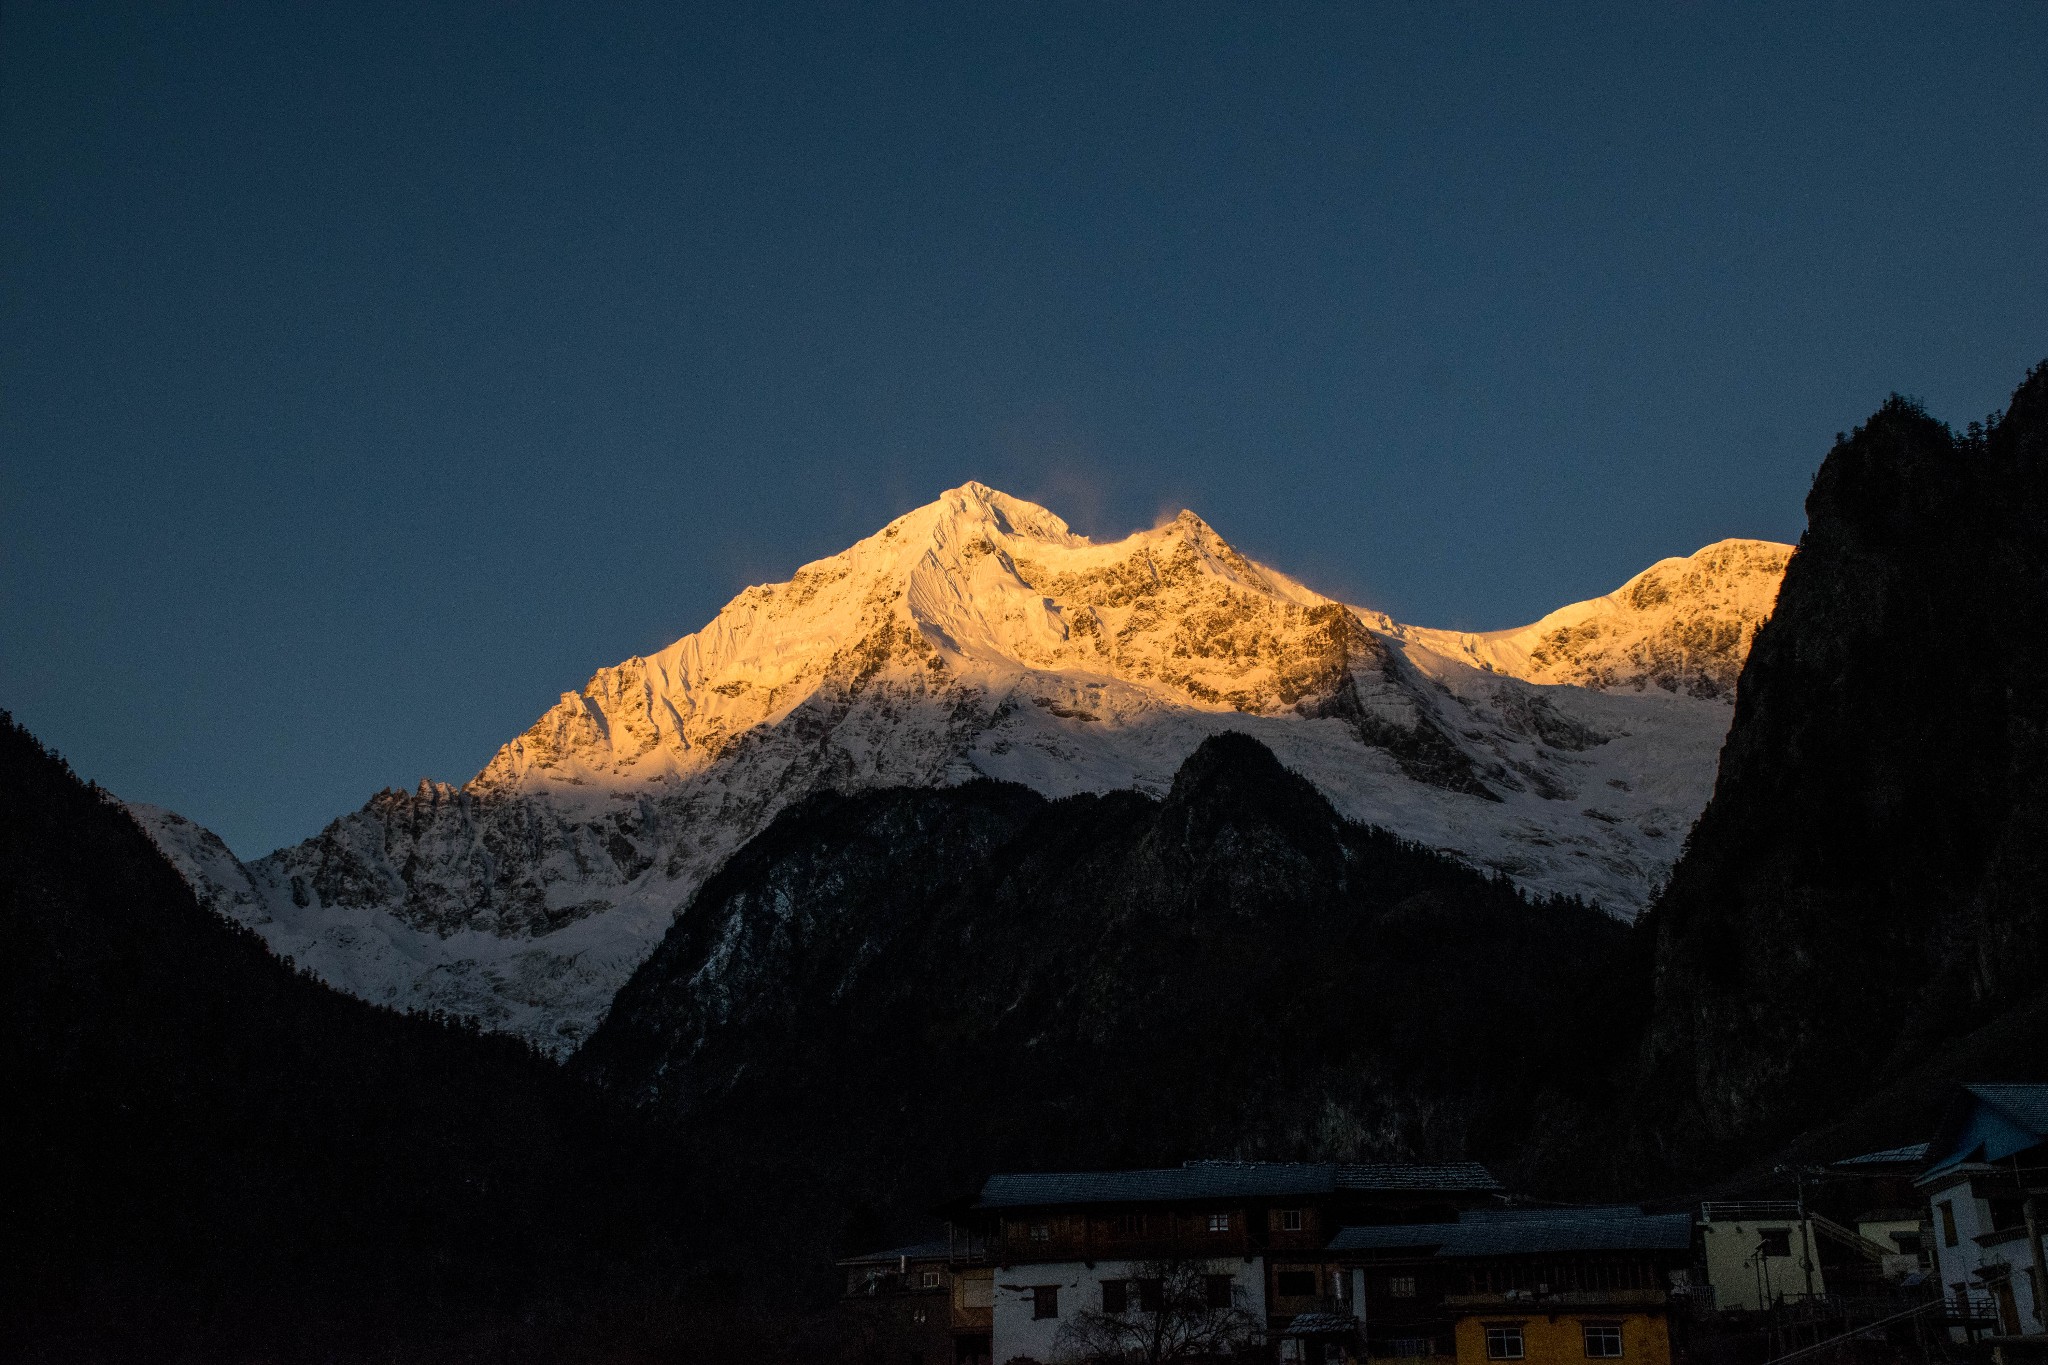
[(1987, 1123), (1447, 1176), (1200, 1180), (1523, 1232), (922, 1251), (1911, 1155), (1195, 1181)]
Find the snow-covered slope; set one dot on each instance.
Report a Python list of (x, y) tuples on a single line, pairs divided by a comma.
[(977, 636)]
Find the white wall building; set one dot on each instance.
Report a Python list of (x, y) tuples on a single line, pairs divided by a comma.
[(1985, 1163), (1035, 1300), (1759, 1253)]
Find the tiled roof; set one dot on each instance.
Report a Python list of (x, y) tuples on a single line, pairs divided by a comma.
[(1523, 1232), (1911, 1155), (1198, 1180), (1319, 1324), (2026, 1105), (1445, 1176), (923, 1251)]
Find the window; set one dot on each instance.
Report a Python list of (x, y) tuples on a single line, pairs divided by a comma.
[(1217, 1290), (1041, 1232), (1409, 1348), (1290, 1220), (1948, 1223), (1127, 1225), (2007, 1213), (1774, 1241), (928, 1280), (1504, 1343), (1219, 1222), (920, 1315), (1603, 1341), (1045, 1301), (1400, 1286), (1296, 1284), (1152, 1295), (1116, 1297)]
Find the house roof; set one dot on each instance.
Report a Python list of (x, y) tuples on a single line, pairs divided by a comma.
[(1442, 1177), (1911, 1155), (921, 1251), (1988, 1123), (1522, 1232), (1201, 1180)]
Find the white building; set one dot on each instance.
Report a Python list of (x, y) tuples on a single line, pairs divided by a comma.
[(1035, 1300), (1987, 1189), (1759, 1253)]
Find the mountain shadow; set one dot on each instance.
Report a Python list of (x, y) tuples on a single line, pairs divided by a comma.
[(1867, 885), (209, 1157), (885, 996)]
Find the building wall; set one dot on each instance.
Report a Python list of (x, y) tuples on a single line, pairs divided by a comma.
[(1018, 1333), (1559, 1339), (1959, 1263), (1731, 1249)]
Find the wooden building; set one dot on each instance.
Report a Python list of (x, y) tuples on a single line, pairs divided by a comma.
[(1546, 1286)]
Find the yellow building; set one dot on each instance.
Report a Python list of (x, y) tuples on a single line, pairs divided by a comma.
[(1640, 1337), (1508, 1286)]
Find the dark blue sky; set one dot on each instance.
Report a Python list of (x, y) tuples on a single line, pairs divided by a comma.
[(371, 375)]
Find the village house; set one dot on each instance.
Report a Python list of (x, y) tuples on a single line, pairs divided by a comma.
[(916, 1305), (1547, 1286), (1760, 1252), (1068, 1251), (1986, 1183)]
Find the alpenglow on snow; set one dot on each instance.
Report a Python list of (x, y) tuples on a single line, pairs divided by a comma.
[(978, 636)]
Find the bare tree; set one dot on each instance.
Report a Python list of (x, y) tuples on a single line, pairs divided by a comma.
[(1173, 1310)]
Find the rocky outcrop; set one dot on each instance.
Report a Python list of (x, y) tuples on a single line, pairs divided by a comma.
[(1871, 876), (977, 978)]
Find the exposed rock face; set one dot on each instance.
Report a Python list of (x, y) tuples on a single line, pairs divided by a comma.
[(1869, 879), (978, 636), (976, 978)]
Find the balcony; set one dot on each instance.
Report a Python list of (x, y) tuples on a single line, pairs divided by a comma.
[(1563, 1301)]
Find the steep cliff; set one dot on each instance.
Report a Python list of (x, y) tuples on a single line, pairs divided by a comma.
[(1869, 879)]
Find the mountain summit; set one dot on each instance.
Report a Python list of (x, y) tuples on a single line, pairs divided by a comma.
[(979, 636)]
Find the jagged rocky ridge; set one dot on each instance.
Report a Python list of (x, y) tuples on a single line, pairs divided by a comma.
[(1870, 880), (888, 994), (979, 637)]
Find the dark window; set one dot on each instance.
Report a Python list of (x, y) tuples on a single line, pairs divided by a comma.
[(1290, 1220), (1400, 1286), (1152, 1295), (1296, 1284), (1948, 1223), (2007, 1213), (1408, 1348), (1603, 1341), (1219, 1222), (1045, 1301), (1218, 1289), (1116, 1296), (1127, 1225), (1907, 1242), (1504, 1343), (1041, 1232), (928, 1279), (1774, 1241)]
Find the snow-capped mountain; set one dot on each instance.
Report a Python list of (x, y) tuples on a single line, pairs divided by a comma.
[(979, 636)]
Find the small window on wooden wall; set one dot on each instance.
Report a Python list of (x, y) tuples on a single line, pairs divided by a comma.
[(1290, 1220)]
